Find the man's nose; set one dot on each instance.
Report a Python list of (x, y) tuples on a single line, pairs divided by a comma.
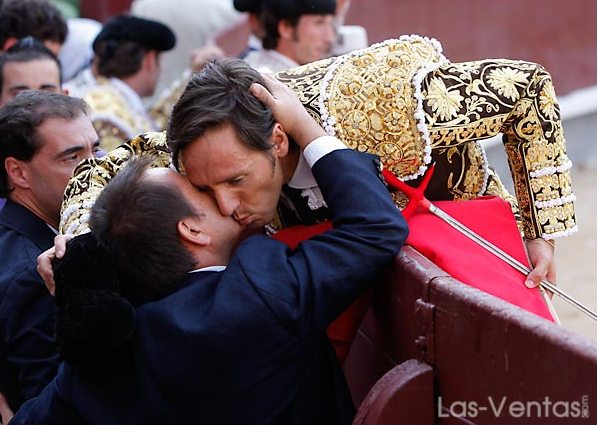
[(227, 202)]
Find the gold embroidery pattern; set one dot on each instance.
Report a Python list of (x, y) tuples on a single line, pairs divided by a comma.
[(372, 105), (371, 97), (305, 82), (371, 100), (112, 116), (92, 175), (517, 98)]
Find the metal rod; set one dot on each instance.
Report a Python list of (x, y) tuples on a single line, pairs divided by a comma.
[(504, 256)]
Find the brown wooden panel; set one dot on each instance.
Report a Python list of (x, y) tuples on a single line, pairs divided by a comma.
[(493, 362), (392, 329), (404, 395), (489, 354)]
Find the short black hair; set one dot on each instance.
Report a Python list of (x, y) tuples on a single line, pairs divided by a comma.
[(37, 18), (135, 220), (251, 6), (216, 96), (20, 119), (123, 42), (119, 60), (291, 11), (26, 50)]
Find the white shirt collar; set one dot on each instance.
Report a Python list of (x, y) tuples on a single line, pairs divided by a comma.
[(302, 177), (131, 97), (209, 269)]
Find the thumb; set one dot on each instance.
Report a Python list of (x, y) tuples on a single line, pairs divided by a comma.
[(534, 278), (262, 94), (5, 411)]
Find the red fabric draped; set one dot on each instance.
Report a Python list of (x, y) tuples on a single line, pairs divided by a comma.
[(490, 217)]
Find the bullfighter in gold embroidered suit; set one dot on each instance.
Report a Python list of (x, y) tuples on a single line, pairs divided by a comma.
[(402, 100)]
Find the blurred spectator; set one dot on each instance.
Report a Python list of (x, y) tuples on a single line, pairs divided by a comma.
[(253, 9), (348, 37), (37, 18), (296, 32), (68, 8), (28, 65), (196, 23), (127, 67)]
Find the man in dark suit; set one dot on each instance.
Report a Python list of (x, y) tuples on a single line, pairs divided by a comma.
[(42, 138), (246, 344)]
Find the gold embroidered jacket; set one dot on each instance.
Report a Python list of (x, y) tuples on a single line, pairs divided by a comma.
[(402, 100)]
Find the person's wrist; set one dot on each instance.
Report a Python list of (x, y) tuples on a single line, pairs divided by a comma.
[(550, 242), (307, 131)]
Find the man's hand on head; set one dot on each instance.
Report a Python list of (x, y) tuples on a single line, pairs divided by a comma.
[(288, 111)]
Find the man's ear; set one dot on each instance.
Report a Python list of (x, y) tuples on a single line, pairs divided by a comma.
[(280, 141), (285, 29), (18, 172), (191, 231), (150, 59)]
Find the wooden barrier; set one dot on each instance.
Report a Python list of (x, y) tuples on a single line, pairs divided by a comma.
[(485, 361)]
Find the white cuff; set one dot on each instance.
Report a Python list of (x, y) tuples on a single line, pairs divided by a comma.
[(320, 147)]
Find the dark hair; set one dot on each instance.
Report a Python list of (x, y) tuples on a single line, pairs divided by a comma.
[(26, 50), (37, 18), (20, 119), (135, 219), (216, 96), (270, 24), (119, 59)]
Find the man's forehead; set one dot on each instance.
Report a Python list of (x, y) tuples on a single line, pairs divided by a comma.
[(32, 64)]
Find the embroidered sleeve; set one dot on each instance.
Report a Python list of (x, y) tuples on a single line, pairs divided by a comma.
[(92, 175)]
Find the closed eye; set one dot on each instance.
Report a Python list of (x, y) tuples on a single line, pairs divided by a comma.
[(235, 181), (202, 189)]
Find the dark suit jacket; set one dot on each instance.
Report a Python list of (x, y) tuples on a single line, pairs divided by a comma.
[(247, 345), (28, 359)]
